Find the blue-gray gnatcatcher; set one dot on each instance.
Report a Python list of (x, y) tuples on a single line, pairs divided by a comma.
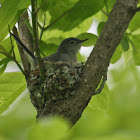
[(66, 51)]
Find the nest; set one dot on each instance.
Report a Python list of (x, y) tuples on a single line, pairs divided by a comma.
[(60, 81)]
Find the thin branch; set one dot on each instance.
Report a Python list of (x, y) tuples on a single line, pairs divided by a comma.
[(135, 50), (137, 9), (12, 46), (106, 8), (24, 47), (43, 26), (21, 52), (35, 37), (42, 5), (39, 25), (56, 19), (104, 12), (19, 66), (42, 53), (11, 57), (30, 11), (102, 85), (2, 52), (35, 31)]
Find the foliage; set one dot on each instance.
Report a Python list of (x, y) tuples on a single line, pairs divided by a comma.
[(113, 114)]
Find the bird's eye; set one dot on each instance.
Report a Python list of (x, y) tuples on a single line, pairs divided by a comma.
[(72, 42)]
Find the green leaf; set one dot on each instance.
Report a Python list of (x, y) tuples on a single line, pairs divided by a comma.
[(100, 27), (10, 83), (3, 64), (55, 40), (43, 6), (5, 16), (24, 4), (110, 4), (100, 101), (117, 55), (75, 22), (12, 17), (79, 12), (2, 69), (81, 58), (136, 52), (11, 24), (134, 24), (6, 44), (50, 128), (47, 49), (60, 7), (4, 61), (124, 43), (100, 17), (8, 101), (91, 39), (18, 118)]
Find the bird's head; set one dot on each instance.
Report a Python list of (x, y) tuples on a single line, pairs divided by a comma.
[(70, 45)]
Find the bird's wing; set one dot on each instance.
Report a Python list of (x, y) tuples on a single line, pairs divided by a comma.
[(54, 57)]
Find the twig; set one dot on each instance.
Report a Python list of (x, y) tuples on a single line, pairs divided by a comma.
[(102, 85), (104, 12), (21, 52), (56, 20), (29, 11), (137, 9), (42, 53), (24, 47), (39, 25), (3, 51), (19, 66), (43, 26), (42, 5), (106, 8), (12, 46)]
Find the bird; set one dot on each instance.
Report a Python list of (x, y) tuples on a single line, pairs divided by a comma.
[(66, 51)]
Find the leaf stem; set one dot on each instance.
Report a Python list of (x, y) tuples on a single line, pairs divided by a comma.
[(47, 27), (106, 7), (4, 52), (42, 5), (43, 26)]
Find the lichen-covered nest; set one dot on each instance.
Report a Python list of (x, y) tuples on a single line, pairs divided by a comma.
[(60, 81)]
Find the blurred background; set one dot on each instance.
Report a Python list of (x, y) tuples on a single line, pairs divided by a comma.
[(114, 114)]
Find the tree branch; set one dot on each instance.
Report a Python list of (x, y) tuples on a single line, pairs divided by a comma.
[(35, 37), (137, 9), (96, 64)]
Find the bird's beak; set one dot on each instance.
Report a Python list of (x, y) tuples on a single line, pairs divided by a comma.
[(81, 41)]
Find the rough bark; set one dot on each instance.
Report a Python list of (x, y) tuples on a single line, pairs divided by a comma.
[(25, 35), (98, 62), (22, 55), (26, 38)]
